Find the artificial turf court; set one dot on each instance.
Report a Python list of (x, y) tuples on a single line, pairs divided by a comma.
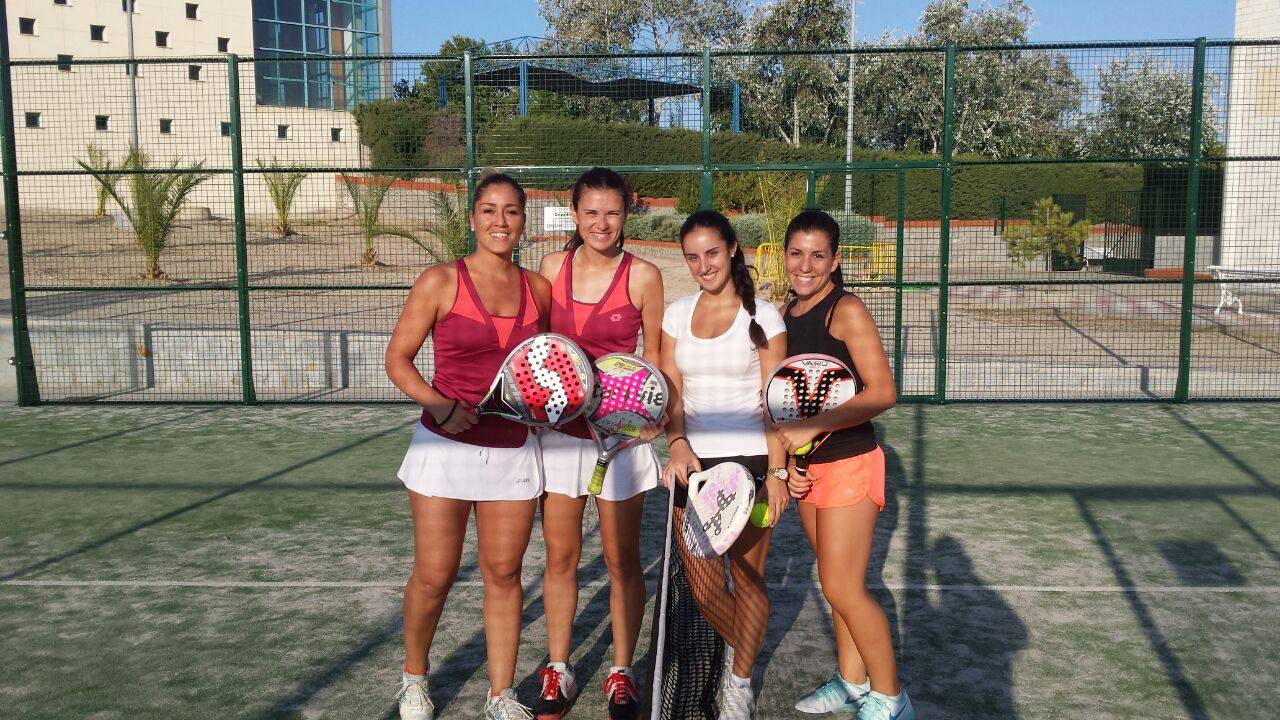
[(1099, 561)]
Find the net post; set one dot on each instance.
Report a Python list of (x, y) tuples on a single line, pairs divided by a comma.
[(944, 230), (23, 360), (705, 184), (1182, 391), (468, 92), (897, 282), (247, 391)]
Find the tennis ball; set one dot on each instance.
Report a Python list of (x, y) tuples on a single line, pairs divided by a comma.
[(760, 515), (803, 449)]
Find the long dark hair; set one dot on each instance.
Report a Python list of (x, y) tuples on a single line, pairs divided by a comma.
[(598, 178), (497, 178), (738, 272), (814, 220)]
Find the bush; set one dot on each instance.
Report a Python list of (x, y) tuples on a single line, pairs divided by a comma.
[(855, 229), (1049, 230), (408, 133), (659, 227), (750, 229)]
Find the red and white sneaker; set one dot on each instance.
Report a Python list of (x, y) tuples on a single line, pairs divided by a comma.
[(624, 699), (558, 691)]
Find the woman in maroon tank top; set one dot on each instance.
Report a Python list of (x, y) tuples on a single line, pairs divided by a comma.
[(604, 299), (475, 309)]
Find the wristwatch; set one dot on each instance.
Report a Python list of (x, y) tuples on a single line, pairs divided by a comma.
[(779, 473)]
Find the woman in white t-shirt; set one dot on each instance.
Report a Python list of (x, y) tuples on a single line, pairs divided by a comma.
[(717, 347)]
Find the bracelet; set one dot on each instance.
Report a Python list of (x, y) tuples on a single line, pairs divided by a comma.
[(446, 417), (678, 437)]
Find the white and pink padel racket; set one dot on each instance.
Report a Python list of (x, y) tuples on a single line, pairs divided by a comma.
[(545, 381), (720, 501), (629, 394)]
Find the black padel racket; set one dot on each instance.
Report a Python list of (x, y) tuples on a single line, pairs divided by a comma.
[(803, 386), (629, 394), (545, 381)]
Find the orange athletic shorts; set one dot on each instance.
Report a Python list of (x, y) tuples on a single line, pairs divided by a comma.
[(846, 482)]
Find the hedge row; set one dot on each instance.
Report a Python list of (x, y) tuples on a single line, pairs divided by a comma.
[(751, 229)]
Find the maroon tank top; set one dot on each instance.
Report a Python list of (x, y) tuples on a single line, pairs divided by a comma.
[(470, 345), (611, 325)]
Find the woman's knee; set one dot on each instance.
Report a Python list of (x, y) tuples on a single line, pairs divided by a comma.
[(622, 562), (563, 559), (845, 592), (431, 583)]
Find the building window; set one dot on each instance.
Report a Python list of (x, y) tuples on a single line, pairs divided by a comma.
[(193, 11), (335, 134), (282, 132), (193, 72), (27, 26), (59, 2), (294, 38), (32, 119), (162, 38), (166, 126), (224, 44), (97, 33), (101, 123), (131, 69), (64, 63), (225, 129)]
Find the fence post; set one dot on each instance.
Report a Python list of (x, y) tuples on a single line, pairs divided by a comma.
[(811, 189), (705, 185), (23, 360), (898, 333), (1182, 392), (944, 231), (468, 90), (248, 394)]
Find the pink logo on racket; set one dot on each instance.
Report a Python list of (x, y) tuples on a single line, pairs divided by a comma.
[(622, 393)]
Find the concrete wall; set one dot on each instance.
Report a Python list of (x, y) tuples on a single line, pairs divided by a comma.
[(1251, 199)]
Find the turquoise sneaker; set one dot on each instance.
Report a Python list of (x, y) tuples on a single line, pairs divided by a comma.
[(875, 706), (829, 697)]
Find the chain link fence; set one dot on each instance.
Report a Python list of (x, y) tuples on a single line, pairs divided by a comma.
[(1025, 222)]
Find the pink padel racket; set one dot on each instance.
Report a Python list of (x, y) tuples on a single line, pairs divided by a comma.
[(545, 381), (629, 394)]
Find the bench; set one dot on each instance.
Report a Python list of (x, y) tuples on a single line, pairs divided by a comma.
[(1229, 292)]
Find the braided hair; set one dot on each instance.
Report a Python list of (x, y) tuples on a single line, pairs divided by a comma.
[(743, 284)]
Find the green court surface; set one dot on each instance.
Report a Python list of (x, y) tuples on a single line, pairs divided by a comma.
[(1070, 561)]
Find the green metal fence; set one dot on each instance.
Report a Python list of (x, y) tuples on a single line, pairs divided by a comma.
[(1168, 153)]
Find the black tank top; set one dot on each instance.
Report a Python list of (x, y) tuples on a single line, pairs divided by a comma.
[(811, 333)]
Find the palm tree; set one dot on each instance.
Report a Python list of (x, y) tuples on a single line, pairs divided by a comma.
[(282, 184), (452, 227), (155, 199), (100, 160), (367, 195)]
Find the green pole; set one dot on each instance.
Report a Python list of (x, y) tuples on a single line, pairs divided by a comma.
[(705, 186), (1182, 391), (811, 190), (944, 232), (469, 90), (897, 282), (248, 394), (23, 359)]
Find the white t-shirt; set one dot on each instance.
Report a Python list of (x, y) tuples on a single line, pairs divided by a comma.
[(723, 402)]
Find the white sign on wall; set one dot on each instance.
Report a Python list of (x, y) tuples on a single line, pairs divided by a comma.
[(557, 219)]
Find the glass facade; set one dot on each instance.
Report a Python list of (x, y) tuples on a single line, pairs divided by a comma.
[(287, 32)]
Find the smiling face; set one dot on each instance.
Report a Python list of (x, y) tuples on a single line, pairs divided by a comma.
[(600, 215), (810, 260), (708, 257), (498, 219)]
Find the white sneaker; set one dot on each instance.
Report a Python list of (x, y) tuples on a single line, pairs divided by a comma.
[(504, 706), (877, 707), (414, 703), (736, 703), (831, 696)]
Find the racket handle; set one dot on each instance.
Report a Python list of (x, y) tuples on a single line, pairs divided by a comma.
[(597, 477), (802, 464)]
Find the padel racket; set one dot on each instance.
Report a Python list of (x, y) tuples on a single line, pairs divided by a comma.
[(545, 381), (629, 394), (720, 501), (803, 386)]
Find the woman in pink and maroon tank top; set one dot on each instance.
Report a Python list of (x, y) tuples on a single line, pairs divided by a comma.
[(475, 309), (605, 299)]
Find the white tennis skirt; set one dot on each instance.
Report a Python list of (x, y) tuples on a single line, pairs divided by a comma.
[(567, 464), (438, 466)]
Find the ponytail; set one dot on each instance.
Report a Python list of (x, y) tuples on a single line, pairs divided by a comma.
[(743, 283), (598, 178)]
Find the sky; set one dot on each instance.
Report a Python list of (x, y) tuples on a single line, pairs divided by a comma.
[(420, 26)]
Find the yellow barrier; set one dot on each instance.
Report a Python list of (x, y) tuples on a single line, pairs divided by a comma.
[(770, 274)]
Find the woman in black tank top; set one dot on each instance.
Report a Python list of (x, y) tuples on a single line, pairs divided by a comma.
[(840, 496)]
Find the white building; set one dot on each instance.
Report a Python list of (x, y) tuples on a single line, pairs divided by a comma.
[(1251, 192), (295, 111)]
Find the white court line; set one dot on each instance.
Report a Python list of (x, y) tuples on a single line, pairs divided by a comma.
[(899, 587)]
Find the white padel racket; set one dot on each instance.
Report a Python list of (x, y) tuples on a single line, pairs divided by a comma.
[(803, 386), (719, 506)]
